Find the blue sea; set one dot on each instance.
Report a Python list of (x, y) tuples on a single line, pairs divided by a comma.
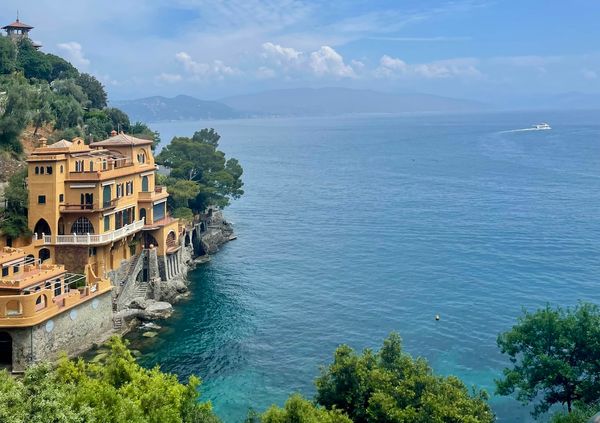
[(353, 227)]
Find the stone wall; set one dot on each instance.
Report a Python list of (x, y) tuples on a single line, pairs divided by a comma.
[(73, 257), (73, 331)]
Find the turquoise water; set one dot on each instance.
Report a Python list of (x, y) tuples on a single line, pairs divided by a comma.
[(357, 226)]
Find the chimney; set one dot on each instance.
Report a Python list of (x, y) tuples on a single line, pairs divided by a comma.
[(43, 142)]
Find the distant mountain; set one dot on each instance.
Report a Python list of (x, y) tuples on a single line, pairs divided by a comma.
[(570, 101), (335, 101), (182, 107)]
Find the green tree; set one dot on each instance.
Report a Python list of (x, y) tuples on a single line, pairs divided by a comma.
[(580, 414), (298, 410), (8, 55), (555, 356), (113, 390), (68, 112), (61, 69), (93, 89), (15, 111), (141, 130), (14, 218), (197, 159), (391, 387), (68, 87), (33, 63)]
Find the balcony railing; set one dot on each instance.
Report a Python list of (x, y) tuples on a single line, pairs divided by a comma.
[(160, 222), (92, 239), (88, 208), (159, 192)]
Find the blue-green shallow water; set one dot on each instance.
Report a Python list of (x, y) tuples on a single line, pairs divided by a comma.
[(353, 227)]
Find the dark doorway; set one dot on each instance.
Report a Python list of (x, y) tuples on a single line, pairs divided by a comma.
[(44, 254), (5, 349), (42, 227)]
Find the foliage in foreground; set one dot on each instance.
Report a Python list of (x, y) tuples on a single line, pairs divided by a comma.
[(116, 390), (555, 355), (298, 409), (385, 387)]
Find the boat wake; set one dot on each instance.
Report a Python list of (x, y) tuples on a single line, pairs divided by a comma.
[(521, 130)]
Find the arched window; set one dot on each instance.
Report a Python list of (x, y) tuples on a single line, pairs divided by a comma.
[(62, 168), (42, 227), (61, 226), (143, 214), (82, 226), (49, 170), (144, 183), (41, 170), (37, 170), (40, 302), (171, 240)]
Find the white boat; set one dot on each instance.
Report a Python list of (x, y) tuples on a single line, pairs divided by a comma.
[(541, 126)]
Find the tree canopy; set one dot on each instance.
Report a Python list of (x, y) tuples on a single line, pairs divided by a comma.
[(200, 175), (387, 386), (555, 356), (38, 88), (113, 390), (391, 386)]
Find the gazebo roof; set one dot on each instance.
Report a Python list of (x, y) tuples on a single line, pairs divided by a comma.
[(17, 25)]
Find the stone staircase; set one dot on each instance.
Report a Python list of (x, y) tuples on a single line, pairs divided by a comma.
[(134, 268), (117, 322), (140, 290)]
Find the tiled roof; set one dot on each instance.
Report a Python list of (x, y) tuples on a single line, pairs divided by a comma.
[(121, 139), (18, 24), (61, 144)]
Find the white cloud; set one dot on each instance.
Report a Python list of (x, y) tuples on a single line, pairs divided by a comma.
[(264, 72), (589, 74), (169, 78), (327, 61), (281, 55), (321, 63), (390, 67), (74, 53), (217, 69)]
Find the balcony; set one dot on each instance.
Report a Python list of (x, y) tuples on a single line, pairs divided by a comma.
[(88, 208), (32, 309), (160, 223), (110, 172), (158, 194), (31, 274), (91, 239)]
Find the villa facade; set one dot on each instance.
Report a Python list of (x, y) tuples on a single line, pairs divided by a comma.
[(99, 225)]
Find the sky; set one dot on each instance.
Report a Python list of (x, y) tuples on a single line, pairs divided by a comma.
[(476, 49)]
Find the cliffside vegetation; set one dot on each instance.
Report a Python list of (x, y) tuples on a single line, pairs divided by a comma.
[(38, 89), (200, 175)]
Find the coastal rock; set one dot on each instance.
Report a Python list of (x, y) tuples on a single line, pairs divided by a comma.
[(139, 303), (171, 290), (159, 310), (149, 334)]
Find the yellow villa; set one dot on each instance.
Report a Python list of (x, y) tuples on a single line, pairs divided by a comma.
[(100, 234)]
